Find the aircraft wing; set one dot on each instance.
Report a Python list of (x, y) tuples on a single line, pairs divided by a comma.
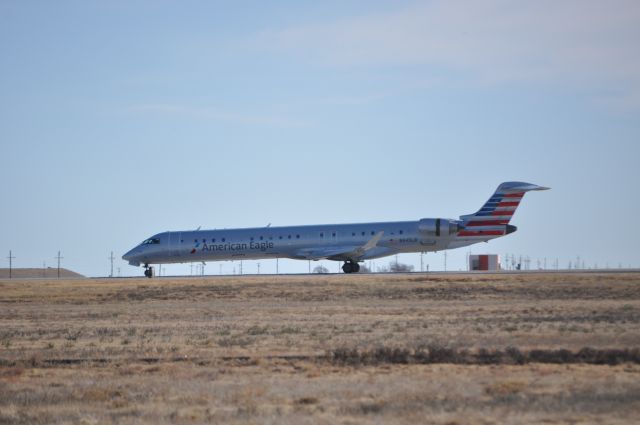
[(339, 252)]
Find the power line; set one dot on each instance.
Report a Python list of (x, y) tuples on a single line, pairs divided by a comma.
[(11, 258), (59, 258), (111, 257)]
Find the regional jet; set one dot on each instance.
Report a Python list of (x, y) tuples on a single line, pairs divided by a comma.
[(348, 243)]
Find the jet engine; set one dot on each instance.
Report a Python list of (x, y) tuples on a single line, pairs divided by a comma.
[(439, 227)]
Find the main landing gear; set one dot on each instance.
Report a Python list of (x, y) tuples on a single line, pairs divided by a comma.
[(148, 271), (351, 267)]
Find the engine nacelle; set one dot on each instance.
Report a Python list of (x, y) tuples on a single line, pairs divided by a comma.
[(435, 227)]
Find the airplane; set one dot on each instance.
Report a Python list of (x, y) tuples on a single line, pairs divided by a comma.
[(348, 243)]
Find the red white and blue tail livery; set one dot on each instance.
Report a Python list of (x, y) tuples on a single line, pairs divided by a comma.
[(492, 220)]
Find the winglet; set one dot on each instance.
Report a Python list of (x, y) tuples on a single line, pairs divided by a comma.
[(372, 243)]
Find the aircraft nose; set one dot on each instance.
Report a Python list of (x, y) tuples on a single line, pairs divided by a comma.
[(130, 256)]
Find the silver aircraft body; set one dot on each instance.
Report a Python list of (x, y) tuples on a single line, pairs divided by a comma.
[(348, 243)]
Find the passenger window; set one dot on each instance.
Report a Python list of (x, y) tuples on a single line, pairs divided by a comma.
[(400, 232), (289, 237), (333, 234), (322, 235), (223, 239), (297, 236), (261, 238)]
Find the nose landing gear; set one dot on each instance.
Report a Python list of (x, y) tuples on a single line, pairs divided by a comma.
[(148, 271), (351, 267)]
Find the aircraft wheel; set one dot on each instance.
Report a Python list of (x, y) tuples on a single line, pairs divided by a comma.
[(148, 272), (351, 267)]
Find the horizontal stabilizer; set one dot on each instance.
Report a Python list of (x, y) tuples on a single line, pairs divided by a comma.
[(519, 187)]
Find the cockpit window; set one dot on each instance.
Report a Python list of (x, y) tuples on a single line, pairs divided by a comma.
[(151, 241)]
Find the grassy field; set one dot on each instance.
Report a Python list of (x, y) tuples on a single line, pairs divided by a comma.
[(554, 348)]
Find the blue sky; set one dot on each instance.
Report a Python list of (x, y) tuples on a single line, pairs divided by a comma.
[(120, 119)]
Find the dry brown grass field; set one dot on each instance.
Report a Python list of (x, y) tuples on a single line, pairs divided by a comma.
[(345, 349)]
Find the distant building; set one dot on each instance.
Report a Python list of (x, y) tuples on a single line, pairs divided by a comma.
[(485, 262)]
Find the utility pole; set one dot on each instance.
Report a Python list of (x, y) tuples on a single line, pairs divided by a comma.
[(10, 257), (258, 268), (241, 267), (445, 261), (421, 262), (59, 257), (111, 257)]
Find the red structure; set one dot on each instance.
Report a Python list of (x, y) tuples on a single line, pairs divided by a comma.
[(484, 262)]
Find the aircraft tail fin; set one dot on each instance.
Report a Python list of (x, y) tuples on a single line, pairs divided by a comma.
[(499, 209)]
